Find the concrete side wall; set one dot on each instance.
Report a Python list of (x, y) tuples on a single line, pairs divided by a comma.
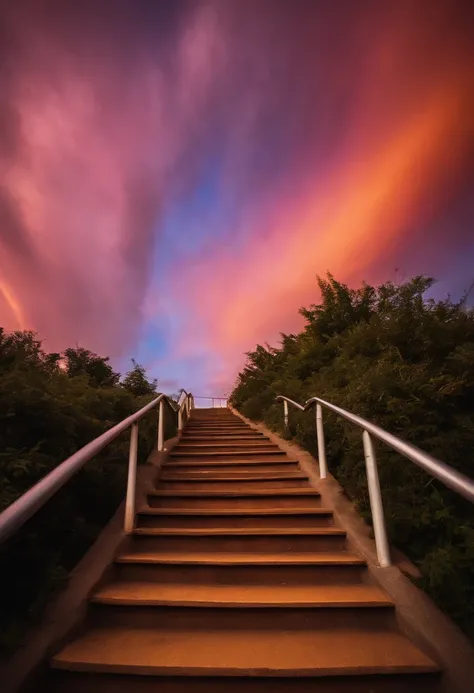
[(428, 627), (67, 613)]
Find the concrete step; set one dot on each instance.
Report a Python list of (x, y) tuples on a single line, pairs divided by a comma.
[(248, 539), (237, 616), (266, 519), (201, 466), (256, 499), (230, 483), (239, 443), (239, 460), (216, 425), (131, 593), (242, 446), (258, 653), (62, 680), (321, 568), (203, 435), (223, 454), (212, 473), (184, 448)]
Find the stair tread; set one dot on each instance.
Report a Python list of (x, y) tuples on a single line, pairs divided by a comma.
[(247, 531), (230, 461), (225, 463), (241, 558), (230, 444), (152, 593), (221, 453), (246, 493), (244, 652), (244, 476), (241, 511)]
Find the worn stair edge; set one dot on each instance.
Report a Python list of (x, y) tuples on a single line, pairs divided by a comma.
[(244, 511), (220, 653), (248, 493), (227, 463), (205, 476), (248, 531), (238, 559), (136, 593), (244, 452)]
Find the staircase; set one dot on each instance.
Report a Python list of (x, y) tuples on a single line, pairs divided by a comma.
[(237, 578)]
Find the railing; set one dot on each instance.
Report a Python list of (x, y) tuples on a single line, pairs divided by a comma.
[(216, 402), (21, 510), (447, 475)]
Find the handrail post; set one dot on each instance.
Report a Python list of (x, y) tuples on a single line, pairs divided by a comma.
[(180, 420), (285, 413), (323, 467), (376, 506), (161, 426), (132, 480)]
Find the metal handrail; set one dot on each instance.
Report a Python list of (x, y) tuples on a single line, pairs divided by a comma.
[(24, 507), (214, 398), (450, 477)]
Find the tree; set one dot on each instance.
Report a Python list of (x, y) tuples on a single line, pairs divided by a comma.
[(407, 363), (136, 382), (82, 362)]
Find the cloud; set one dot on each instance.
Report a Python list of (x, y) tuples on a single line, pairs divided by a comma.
[(405, 92), (91, 131), (182, 171)]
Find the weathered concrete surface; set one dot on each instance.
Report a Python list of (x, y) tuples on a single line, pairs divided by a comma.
[(68, 610), (422, 621)]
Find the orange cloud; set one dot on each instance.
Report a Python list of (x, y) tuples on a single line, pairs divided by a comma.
[(346, 221)]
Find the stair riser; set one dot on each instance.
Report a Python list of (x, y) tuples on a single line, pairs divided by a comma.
[(234, 521), (210, 423), (241, 618), (227, 449), (247, 544), (223, 450), (226, 439), (221, 455), (72, 682), (204, 430), (199, 434), (211, 475), (230, 503), (222, 468), (241, 485), (242, 574), (233, 459)]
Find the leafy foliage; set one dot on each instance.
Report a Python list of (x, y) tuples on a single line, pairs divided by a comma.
[(407, 363), (136, 382), (50, 406)]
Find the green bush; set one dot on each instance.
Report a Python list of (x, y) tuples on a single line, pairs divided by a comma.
[(50, 406), (406, 363)]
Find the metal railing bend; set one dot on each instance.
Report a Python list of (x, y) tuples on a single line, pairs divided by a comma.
[(450, 477), (22, 509)]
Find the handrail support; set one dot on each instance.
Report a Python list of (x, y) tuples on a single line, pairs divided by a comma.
[(161, 426), (323, 467), (376, 505), (132, 479), (285, 413)]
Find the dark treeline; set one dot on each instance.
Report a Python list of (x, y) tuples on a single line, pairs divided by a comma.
[(51, 405), (406, 363)]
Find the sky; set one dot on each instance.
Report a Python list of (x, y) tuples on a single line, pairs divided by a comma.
[(174, 175)]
